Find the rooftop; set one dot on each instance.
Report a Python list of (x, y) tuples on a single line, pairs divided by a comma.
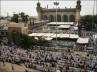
[(60, 10), (13, 24)]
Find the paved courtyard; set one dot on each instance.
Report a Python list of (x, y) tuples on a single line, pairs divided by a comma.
[(17, 68)]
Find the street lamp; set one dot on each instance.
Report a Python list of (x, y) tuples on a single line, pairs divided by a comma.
[(56, 4)]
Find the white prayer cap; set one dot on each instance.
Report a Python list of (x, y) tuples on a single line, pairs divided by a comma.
[(58, 71)]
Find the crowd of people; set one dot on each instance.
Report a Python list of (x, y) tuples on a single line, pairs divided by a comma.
[(54, 29), (50, 61)]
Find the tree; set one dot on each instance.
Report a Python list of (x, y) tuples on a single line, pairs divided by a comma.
[(23, 16), (15, 18), (26, 42), (26, 18), (89, 22), (1, 18), (21, 40), (42, 42)]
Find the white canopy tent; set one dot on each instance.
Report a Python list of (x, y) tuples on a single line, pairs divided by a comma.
[(40, 34), (53, 35), (64, 36), (48, 38), (74, 36), (48, 34), (64, 26), (32, 34), (75, 28), (60, 23), (83, 40)]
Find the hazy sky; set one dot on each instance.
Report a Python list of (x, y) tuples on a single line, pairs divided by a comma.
[(29, 7)]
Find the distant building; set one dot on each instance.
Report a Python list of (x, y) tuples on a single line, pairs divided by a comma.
[(34, 24), (18, 27), (3, 27), (31, 24), (63, 15)]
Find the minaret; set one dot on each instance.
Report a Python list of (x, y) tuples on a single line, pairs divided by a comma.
[(78, 9), (78, 6), (39, 11), (77, 20), (47, 6)]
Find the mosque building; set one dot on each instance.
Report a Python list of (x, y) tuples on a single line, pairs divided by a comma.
[(62, 15)]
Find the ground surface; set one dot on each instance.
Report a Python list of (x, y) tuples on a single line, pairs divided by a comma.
[(17, 68)]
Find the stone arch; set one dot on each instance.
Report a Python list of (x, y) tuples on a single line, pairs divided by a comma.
[(65, 18), (72, 18), (51, 18), (58, 18)]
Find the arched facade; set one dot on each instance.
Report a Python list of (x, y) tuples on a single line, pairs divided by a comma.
[(58, 18), (72, 14), (51, 18), (65, 18)]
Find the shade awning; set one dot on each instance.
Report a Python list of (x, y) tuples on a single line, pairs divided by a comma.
[(83, 40), (64, 26), (33, 34), (48, 34), (74, 36), (75, 28), (60, 23), (48, 38), (64, 36), (54, 35)]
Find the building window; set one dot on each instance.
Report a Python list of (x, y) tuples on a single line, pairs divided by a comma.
[(58, 18), (51, 18), (72, 18), (65, 18)]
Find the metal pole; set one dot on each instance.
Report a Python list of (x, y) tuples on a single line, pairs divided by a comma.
[(56, 3), (56, 24)]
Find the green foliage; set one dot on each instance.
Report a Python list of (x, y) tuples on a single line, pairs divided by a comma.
[(21, 40), (42, 42), (15, 18), (1, 18), (25, 41), (89, 22), (23, 16)]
